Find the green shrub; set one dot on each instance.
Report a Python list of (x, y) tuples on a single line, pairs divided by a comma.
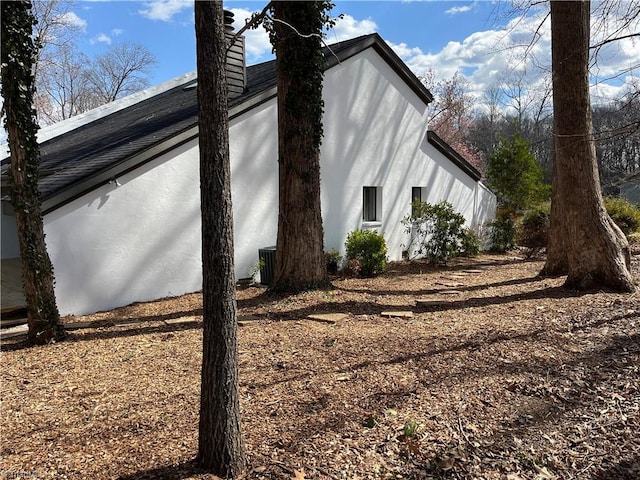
[(369, 249), (502, 233), (624, 213), (471, 243), (533, 230), (437, 231)]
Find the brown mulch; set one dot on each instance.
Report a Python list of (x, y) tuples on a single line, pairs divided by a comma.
[(499, 375)]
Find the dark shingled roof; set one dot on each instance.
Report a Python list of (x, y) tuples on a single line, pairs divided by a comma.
[(82, 159)]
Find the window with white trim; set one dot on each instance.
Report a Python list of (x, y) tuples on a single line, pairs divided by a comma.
[(371, 204), (416, 196)]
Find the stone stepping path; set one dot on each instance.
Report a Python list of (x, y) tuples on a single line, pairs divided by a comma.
[(398, 314), (330, 318), (431, 303), (244, 320), (182, 320), (450, 284)]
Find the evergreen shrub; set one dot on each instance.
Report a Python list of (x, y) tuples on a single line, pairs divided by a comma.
[(369, 248)]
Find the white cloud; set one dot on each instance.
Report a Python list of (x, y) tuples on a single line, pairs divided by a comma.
[(457, 10), (72, 20), (101, 38), (508, 54), (348, 27), (257, 44), (164, 10), (116, 32)]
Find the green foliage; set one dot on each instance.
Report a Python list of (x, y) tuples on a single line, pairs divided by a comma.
[(624, 213), (369, 248), (502, 233), (257, 267), (515, 176), (410, 428), (533, 229), (437, 231), (470, 243)]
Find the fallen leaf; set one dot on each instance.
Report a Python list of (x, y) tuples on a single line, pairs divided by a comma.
[(543, 473), (298, 475)]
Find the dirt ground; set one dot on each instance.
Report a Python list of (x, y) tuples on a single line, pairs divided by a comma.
[(498, 374)]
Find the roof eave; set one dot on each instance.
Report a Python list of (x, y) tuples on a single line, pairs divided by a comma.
[(82, 187), (457, 159), (375, 41)]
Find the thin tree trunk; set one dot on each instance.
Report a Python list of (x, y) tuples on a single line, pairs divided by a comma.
[(220, 446), (37, 270), (597, 251), (299, 254)]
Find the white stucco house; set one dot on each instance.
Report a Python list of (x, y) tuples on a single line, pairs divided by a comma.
[(120, 184)]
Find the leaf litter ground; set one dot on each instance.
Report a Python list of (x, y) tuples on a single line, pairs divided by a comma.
[(496, 374)]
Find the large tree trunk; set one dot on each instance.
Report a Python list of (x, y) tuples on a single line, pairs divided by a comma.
[(299, 62), (220, 446), (597, 251), (17, 91), (556, 263)]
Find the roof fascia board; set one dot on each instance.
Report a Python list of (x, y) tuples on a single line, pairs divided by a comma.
[(458, 160), (252, 102), (78, 189), (386, 52)]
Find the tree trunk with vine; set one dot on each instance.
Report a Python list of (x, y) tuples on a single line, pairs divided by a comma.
[(18, 90), (220, 446), (296, 35), (597, 251)]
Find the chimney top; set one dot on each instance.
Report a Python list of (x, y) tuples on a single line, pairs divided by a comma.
[(228, 21)]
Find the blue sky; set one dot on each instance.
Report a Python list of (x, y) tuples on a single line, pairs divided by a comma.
[(166, 26), (478, 38)]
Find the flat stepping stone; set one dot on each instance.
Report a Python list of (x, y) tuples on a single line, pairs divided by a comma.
[(472, 271), (126, 321), (450, 284), (398, 314), (451, 292), (19, 331), (181, 320), (247, 319), (77, 325), (331, 318)]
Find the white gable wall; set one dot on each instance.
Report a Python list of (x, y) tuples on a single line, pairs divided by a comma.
[(141, 240), (375, 135), (134, 242)]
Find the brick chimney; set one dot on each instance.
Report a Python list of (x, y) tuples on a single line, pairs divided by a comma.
[(236, 68)]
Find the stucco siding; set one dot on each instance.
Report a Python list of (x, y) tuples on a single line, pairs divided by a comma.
[(139, 240), (136, 241)]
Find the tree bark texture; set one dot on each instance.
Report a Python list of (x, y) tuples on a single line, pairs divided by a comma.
[(597, 251), (220, 445), (556, 262), (18, 91), (300, 260)]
